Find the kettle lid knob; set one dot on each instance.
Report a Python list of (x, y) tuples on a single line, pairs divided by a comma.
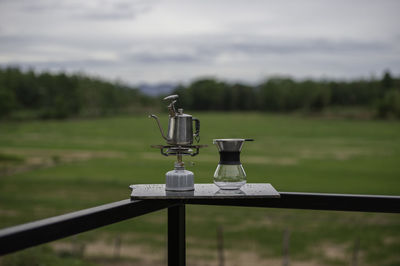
[(171, 97), (171, 106)]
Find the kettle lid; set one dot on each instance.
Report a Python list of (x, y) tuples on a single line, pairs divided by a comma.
[(181, 114)]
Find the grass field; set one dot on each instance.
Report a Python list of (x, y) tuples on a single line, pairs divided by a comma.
[(53, 167)]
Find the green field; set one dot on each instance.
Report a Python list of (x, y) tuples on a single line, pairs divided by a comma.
[(53, 167)]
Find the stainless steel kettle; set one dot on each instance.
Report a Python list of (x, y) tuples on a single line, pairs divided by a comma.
[(180, 125)]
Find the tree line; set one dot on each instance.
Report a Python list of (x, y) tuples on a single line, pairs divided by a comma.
[(46, 95), (27, 94), (282, 94)]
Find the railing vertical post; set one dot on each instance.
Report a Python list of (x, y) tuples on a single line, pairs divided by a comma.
[(176, 236)]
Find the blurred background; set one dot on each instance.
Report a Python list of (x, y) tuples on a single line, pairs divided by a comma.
[(315, 83)]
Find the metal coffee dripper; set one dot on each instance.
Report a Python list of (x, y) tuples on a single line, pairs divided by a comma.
[(229, 173), (179, 140)]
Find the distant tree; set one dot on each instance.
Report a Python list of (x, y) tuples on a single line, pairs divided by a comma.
[(387, 81), (389, 105), (7, 101), (242, 97), (228, 99), (274, 94), (185, 97), (207, 94)]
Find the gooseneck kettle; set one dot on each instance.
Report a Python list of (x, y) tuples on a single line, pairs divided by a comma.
[(180, 125)]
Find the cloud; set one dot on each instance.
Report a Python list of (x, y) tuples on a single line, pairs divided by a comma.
[(308, 46), (150, 41), (156, 58), (211, 50), (95, 9)]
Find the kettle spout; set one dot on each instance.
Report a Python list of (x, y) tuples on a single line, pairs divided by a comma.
[(159, 126)]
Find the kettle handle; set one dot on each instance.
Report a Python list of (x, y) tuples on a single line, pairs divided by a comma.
[(197, 129)]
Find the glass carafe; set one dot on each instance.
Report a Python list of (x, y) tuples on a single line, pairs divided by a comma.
[(229, 173)]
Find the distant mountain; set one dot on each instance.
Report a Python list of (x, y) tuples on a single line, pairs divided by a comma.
[(157, 89)]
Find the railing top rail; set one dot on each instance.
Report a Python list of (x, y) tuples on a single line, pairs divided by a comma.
[(46, 230), (315, 201), (39, 232)]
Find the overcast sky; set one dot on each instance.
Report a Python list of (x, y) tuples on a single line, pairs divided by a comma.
[(168, 41)]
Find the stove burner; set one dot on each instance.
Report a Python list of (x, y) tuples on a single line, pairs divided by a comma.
[(179, 150)]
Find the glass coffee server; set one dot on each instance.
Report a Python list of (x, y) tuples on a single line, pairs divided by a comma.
[(229, 173)]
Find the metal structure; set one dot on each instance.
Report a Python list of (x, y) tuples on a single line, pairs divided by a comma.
[(31, 234)]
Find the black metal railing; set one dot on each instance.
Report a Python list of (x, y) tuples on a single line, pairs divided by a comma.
[(31, 234)]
